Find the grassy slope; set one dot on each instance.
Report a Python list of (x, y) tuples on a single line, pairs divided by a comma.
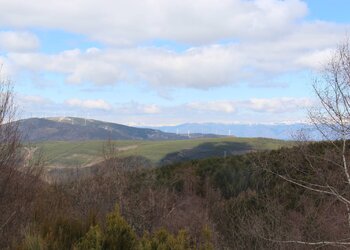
[(83, 153)]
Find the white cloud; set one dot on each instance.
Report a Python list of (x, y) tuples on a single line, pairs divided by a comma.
[(277, 105), (316, 59), (271, 37), (11, 41), (33, 100), (138, 108), (216, 106), (126, 22), (244, 111), (198, 67), (151, 109), (88, 104), (268, 105)]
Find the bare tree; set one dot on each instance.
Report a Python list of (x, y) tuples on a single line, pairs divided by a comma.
[(324, 169), (19, 172), (9, 143)]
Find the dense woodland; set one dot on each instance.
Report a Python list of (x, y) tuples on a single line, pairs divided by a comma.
[(218, 203)]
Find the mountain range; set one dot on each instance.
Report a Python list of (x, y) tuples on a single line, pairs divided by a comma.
[(283, 131), (78, 129)]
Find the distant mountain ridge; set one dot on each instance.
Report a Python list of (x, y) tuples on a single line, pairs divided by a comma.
[(79, 129), (276, 131)]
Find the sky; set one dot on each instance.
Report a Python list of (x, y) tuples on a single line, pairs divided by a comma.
[(166, 62)]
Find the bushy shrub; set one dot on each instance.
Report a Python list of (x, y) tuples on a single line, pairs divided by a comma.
[(63, 233), (32, 241), (119, 234), (207, 239), (163, 240), (92, 240)]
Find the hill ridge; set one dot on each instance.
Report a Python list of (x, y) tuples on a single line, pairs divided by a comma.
[(80, 129)]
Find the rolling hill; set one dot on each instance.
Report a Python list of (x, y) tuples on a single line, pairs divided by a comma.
[(80, 129), (69, 143)]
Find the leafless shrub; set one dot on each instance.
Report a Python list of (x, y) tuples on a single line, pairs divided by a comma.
[(19, 172)]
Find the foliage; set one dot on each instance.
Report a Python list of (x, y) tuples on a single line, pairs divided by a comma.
[(163, 240), (33, 242), (92, 240), (207, 239), (62, 233), (119, 235), (116, 234)]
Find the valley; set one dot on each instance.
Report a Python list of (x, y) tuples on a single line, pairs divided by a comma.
[(73, 154), (69, 142)]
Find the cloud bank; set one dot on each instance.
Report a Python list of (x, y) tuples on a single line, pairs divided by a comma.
[(118, 22)]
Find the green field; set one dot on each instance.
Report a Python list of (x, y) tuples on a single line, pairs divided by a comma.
[(79, 154)]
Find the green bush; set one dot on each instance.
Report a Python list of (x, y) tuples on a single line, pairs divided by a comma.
[(119, 235), (93, 240), (32, 242), (207, 239), (63, 233), (163, 240)]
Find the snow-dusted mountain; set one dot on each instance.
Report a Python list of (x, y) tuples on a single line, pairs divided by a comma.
[(285, 131)]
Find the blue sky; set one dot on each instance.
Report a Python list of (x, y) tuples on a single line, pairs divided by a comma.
[(162, 62)]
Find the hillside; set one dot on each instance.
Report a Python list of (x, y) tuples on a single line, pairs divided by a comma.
[(86, 153), (257, 202), (80, 129), (234, 198)]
